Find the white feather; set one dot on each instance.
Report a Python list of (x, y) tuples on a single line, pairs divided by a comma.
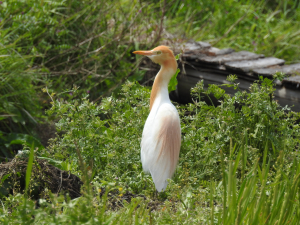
[(155, 159)]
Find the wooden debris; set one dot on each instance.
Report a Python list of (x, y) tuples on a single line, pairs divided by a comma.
[(204, 44), (287, 69), (287, 94), (292, 82), (295, 79), (225, 51), (249, 65), (235, 56)]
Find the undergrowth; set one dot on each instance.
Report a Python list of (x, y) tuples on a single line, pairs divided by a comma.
[(61, 45), (239, 161), (88, 44), (235, 166), (265, 27)]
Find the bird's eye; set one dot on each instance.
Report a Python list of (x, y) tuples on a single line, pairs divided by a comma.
[(158, 52)]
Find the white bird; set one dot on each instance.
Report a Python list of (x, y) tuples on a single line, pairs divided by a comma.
[(161, 138)]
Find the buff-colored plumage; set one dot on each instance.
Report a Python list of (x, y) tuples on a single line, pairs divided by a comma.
[(161, 138)]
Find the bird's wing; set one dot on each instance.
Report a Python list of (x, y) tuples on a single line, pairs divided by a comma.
[(161, 145)]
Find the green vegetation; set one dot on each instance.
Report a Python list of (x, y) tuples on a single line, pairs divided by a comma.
[(239, 161), (267, 27), (233, 157)]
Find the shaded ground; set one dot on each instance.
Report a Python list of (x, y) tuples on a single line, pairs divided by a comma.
[(115, 199), (46, 131), (44, 177), (48, 177)]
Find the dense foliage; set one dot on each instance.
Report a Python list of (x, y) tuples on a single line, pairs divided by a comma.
[(267, 27), (239, 161), (259, 160), (62, 44)]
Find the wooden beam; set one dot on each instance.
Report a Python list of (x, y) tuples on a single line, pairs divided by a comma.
[(249, 65)]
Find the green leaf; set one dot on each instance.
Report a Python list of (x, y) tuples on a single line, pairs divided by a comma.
[(23, 139), (177, 56), (173, 82), (237, 160), (29, 168)]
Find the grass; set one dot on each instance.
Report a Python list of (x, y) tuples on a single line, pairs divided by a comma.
[(88, 45), (227, 174), (270, 28), (238, 165)]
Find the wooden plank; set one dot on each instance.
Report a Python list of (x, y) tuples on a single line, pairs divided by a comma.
[(215, 51), (198, 65), (219, 69), (204, 44), (211, 51), (191, 48), (225, 51), (284, 96), (295, 79), (292, 82), (287, 69), (195, 49), (191, 56), (248, 65), (235, 56)]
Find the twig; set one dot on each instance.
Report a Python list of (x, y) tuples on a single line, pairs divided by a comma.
[(6, 158), (49, 95), (90, 72), (52, 74), (182, 63), (112, 69), (121, 81), (81, 164), (60, 182), (76, 46), (152, 78), (161, 24), (80, 56)]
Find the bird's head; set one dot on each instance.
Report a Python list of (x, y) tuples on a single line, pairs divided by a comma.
[(161, 54)]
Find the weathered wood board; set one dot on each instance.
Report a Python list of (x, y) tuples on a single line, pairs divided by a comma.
[(249, 65), (292, 82), (287, 69), (224, 51), (234, 56), (283, 95)]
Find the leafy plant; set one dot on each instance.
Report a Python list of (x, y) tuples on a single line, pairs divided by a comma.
[(20, 111), (107, 136), (272, 28), (63, 44), (252, 119), (239, 161), (173, 82)]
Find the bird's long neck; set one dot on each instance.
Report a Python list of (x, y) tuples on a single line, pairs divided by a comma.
[(160, 85)]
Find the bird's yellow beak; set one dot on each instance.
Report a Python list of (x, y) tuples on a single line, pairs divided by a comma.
[(146, 53)]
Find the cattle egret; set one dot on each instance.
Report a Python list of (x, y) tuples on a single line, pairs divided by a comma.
[(161, 138)]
